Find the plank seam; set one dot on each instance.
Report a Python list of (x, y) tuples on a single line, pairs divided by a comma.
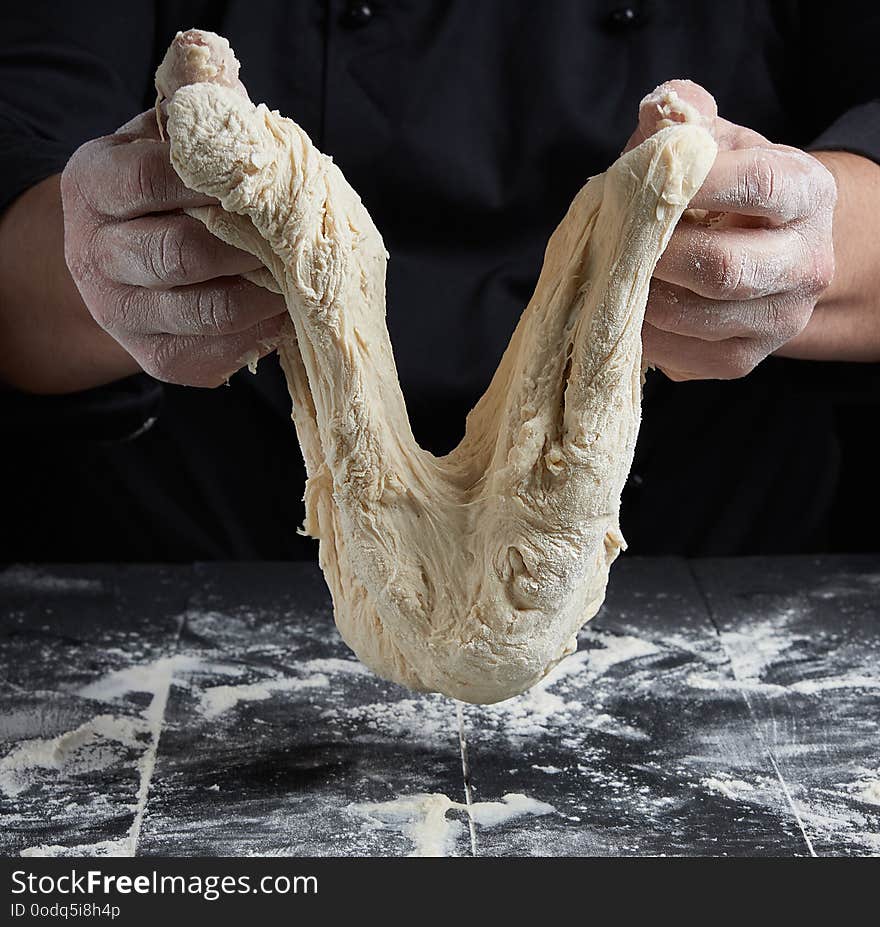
[(147, 764), (789, 798)]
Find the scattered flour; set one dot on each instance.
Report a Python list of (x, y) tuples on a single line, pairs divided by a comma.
[(214, 700), (430, 718), (616, 648), (772, 690), (95, 745), (614, 726), (535, 713), (99, 744), (332, 665), (150, 677), (121, 847), (831, 819), (528, 715), (538, 710), (423, 818), (854, 681), (726, 684), (760, 645), (218, 699), (735, 789), (870, 792), (865, 789), (825, 814)]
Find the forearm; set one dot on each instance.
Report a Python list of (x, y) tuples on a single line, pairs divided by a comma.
[(845, 325), (49, 343)]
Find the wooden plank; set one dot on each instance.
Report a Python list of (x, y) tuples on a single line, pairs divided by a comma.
[(803, 635)]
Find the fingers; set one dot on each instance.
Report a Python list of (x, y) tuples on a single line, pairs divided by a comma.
[(781, 184), (685, 101), (728, 292), (207, 360), (143, 181), (684, 358), (775, 318), (224, 306), (196, 57), (165, 288), (677, 101), (120, 178), (673, 101), (167, 251), (743, 263)]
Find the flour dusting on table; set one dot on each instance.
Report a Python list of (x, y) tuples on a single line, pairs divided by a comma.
[(425, 820)]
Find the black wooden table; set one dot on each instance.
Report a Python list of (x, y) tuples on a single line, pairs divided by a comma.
[(720, 707)]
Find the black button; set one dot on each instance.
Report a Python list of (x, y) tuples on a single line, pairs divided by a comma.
[(358, 13), (623, 18)]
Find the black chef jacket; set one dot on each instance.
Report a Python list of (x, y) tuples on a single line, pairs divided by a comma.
[(466, 127)]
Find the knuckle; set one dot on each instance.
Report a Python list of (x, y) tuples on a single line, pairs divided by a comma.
[(763, 320), (824, 184), (160, 361), (166, 257), (71, 193), (818, 271), (738, 360), (664, 310), (75, 175), (79, 252), (666, 318), (215, 310), (119, 311), (759, 181), (103, 311), (726, 270), (147, 184), (106, 309), (782, 321), (83, 252)]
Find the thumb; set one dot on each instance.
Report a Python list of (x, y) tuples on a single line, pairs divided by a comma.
[(671, 102)]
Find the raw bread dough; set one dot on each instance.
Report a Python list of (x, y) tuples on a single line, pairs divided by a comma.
[(468, 574)]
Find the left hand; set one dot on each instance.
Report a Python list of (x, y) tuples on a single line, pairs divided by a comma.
[(732, 289)]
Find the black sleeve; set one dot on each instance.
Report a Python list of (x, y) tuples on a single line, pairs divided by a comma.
[(838, 81), (68, 72), (857, 130)]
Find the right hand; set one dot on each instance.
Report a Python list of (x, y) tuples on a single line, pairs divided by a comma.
[(154, 278)]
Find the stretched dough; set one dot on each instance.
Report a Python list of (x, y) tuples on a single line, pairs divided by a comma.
[(468, 574)]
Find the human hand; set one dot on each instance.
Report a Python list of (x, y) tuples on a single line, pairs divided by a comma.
[(153, 277), (737, 282)]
